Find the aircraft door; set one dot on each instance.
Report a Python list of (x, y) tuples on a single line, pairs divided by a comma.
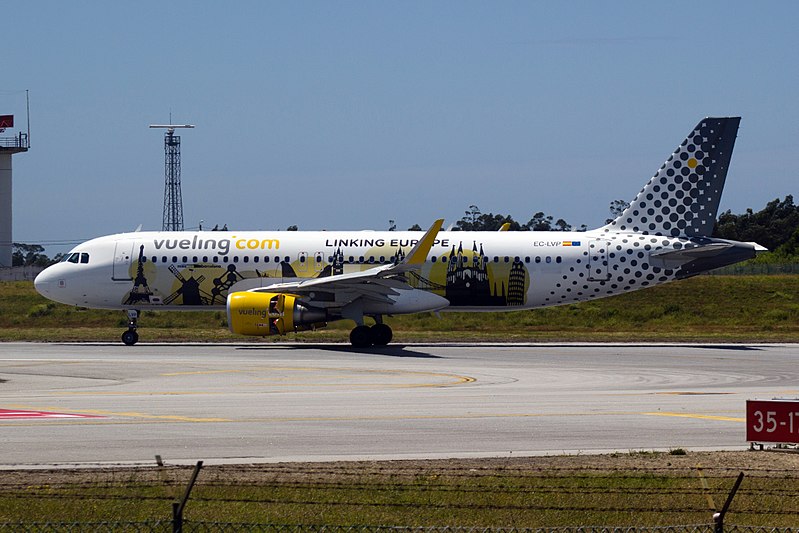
[(598, 260), (123, 254)]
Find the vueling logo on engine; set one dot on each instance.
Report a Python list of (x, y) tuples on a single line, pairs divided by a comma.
[(253, 312), (222, 246)]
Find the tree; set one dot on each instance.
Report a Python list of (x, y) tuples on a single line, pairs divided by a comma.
[(475, 220), (617, 207), (773, 226), (539, 222), (392, 226), (28, 255), (415, 227), (562, 225), (292, 228)]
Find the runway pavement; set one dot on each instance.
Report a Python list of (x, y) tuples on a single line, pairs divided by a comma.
[(268, 402)]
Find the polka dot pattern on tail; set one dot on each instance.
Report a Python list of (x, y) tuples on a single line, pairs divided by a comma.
[(682, 198)]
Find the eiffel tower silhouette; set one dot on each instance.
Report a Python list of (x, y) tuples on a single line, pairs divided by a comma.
[(141, 291)]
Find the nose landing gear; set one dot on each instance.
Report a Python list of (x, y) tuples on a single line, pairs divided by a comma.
[(131, 337)]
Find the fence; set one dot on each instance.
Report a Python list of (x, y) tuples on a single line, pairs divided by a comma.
[(190, 526), (665, 489), (21, 273), (750, 269)]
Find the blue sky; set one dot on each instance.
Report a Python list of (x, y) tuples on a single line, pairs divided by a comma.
[(343, 115)]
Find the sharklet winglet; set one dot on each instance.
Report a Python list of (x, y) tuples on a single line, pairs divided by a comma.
[(418, 253)]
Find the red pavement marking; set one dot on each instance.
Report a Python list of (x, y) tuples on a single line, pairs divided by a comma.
[(17, 414)]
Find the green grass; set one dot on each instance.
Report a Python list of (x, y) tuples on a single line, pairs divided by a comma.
[(704, 308), (650, 489)]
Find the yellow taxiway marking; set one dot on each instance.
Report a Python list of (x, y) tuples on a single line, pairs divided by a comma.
[(148, 417), (138, 393), (202, 372), (455, 378), (698, 416)]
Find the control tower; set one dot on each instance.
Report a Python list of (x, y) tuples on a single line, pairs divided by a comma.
[(9, 145)]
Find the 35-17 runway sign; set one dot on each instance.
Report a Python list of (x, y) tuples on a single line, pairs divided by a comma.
[(772, 421)]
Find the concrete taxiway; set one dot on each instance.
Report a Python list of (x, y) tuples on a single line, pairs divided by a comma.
[(269, 402)]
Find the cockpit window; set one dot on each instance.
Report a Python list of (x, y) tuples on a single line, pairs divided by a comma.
[(76, 257)]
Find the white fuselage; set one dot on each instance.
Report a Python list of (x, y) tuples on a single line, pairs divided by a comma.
[(474, 271)]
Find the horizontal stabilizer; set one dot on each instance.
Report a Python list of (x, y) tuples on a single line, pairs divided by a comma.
[(675, 258)]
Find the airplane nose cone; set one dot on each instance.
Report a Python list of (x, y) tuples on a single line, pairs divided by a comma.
[(44, 283)]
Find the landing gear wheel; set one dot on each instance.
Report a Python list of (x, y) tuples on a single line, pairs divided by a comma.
[(130, 337), (361, 336), (381, 334)]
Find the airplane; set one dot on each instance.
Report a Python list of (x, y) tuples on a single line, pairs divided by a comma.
[(278, 282)]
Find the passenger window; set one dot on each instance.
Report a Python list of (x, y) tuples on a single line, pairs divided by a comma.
[(163, 259), (174, 259), (154, 259), (185, 259), (507, 259), (266, 259), (246, 258), (195, 259), (225, 259), (538, 259), (527, 259), (255, 259), (549, 259), (288, 259), (558, 259), (216, 259), (302, 259), (235, 259)]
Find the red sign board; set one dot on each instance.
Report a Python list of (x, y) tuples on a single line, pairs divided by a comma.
[(772, 421), (6, 121)]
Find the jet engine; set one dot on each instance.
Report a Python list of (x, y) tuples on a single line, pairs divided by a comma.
[(268, 313)]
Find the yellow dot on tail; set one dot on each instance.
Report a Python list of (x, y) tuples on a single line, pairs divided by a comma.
[(692, 163)]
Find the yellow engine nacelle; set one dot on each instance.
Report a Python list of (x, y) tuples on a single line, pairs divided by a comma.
[(268, 313)]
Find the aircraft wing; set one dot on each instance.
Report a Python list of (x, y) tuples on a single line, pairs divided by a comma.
[(373, 284)]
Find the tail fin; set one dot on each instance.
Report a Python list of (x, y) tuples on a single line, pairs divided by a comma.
[(682, 198)]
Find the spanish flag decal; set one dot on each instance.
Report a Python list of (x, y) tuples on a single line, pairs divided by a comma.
[(571, 243)]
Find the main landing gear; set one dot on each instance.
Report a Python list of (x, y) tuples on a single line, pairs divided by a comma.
[(364, 336), (130, 337)]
